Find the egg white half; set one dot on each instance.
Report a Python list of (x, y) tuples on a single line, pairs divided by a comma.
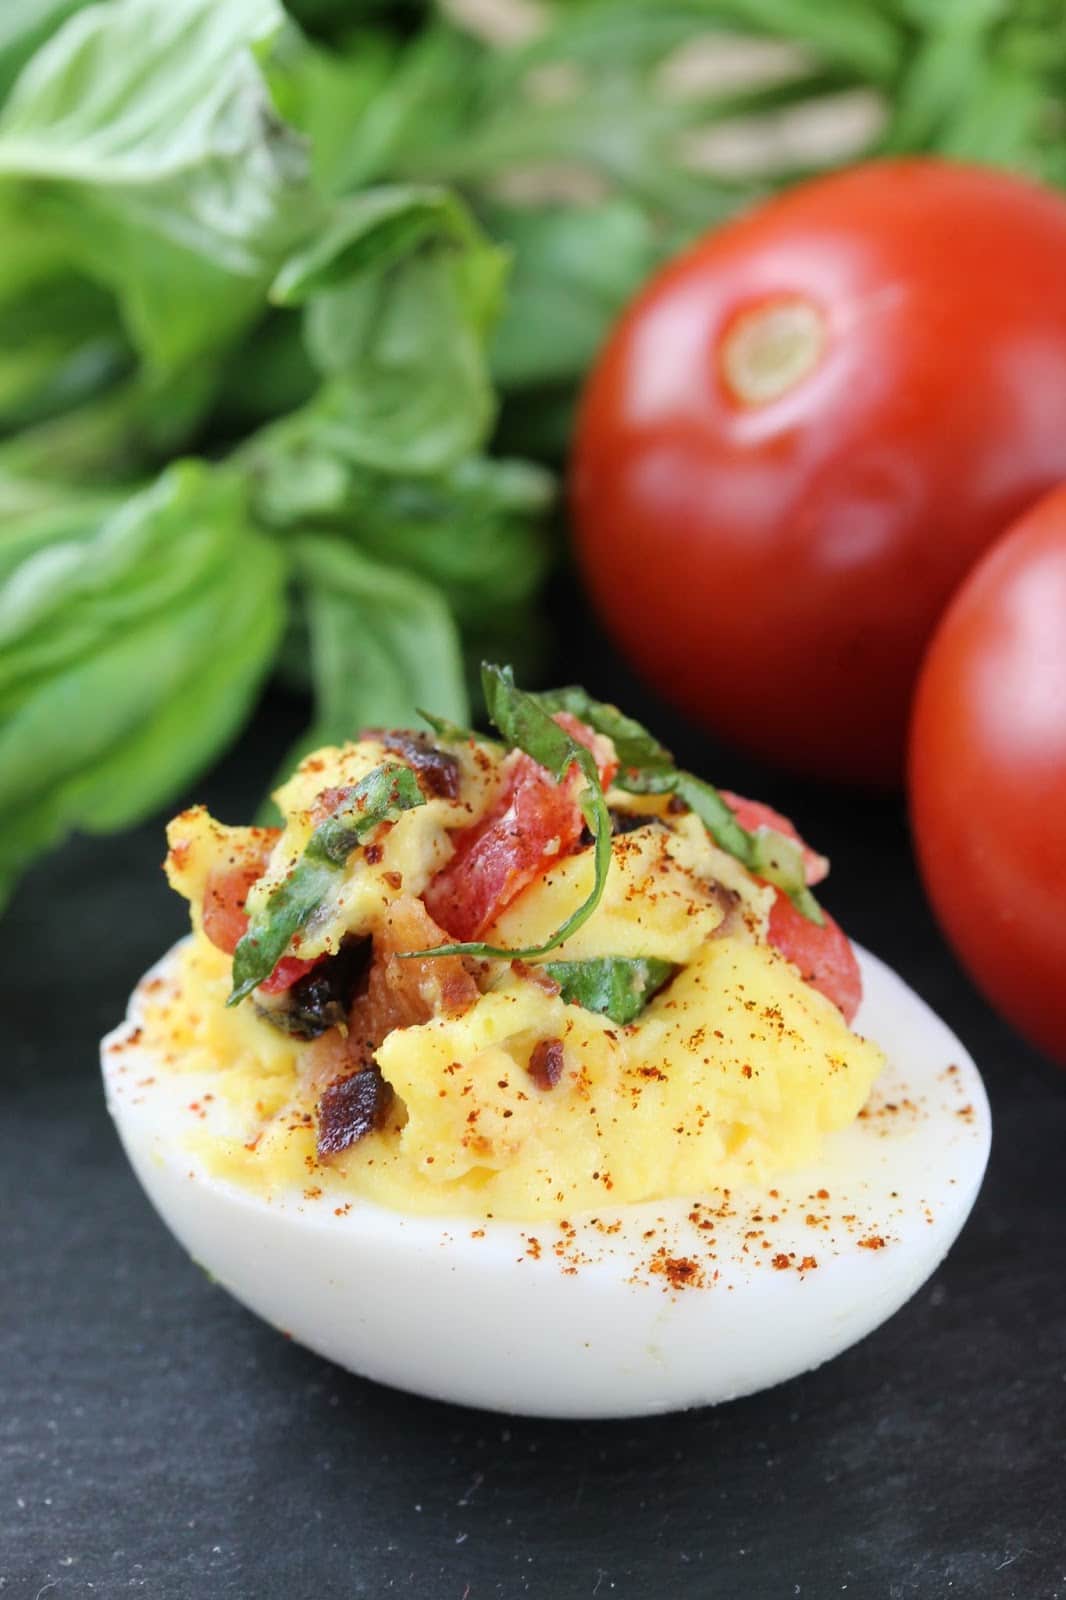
[(636, 1310)]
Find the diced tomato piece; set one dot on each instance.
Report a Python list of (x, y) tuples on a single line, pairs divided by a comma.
[(289, 970), (224, 918), (753, 815), (823, 954), (225, 921), (534, 822)]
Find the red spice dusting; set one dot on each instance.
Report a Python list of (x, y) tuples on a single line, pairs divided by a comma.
[(745, 1072), (807, 1263), (546, 1063), (873, 1242), (680, 1272), (394, 880), (781, 1261)]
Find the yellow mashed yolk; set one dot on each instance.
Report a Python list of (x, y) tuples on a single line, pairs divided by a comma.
[(734, 1072)]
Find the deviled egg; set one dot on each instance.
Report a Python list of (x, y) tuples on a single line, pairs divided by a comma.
[(522, 1073)]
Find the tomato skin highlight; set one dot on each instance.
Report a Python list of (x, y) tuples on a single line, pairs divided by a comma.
[(987, 775), (813, 538)]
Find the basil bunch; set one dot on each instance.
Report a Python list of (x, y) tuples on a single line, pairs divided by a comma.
[(316, 244)]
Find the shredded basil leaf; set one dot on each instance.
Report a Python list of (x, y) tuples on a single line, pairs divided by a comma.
[(634, 746), (766, 853), (378, 797), (618, 987), (526, 724), (452, 732), (779, 860)]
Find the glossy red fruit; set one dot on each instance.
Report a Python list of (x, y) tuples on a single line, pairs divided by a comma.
[(988, 774), (804, 432)]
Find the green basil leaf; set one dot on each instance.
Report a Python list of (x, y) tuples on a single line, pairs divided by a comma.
[(452, 732), (779, 860), (646, 767), (143, 139), (381, 641), (24, 26), (618, 987), (374, 230), (382, 795), (123, 671), (634, 745), (402, 290), (527, 725), (575, 269), (370, 108), (717, 817)]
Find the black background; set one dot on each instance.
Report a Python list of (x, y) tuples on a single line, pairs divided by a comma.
[(156, 1439)]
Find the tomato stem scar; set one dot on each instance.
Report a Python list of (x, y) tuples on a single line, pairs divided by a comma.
[(769, 348)]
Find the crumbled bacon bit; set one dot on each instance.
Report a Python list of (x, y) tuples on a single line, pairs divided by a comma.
[(373, 854), (537, 975), (350, 1108), (546, 1062), (437, 771)]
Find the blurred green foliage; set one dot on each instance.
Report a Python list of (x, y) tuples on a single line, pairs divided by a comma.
[(352, 253)]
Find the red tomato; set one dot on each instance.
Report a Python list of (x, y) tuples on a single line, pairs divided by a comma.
[(534, 822), (224, 918), (225, 921), (804, 432), (823, 954), (988, 774)]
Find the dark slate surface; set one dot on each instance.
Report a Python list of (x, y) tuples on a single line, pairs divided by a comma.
[(156, 1439)]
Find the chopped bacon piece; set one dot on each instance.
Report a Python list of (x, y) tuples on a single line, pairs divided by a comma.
[(438, 771), (397, 994), (537, 975), (546, 1063), (403, 993), (350, 1108), (534, 822)]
